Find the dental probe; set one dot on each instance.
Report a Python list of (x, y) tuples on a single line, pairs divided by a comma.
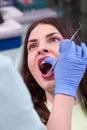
[(71, 39), (73, 36)]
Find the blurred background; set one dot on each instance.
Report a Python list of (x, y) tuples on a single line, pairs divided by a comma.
[(17, 15)]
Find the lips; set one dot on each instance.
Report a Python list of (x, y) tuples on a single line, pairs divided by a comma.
[(44, 68)]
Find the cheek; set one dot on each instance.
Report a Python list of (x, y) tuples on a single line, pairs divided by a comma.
[(56, 50), (57, 47)]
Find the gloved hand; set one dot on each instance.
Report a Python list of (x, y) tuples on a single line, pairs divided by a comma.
[(70, 67)]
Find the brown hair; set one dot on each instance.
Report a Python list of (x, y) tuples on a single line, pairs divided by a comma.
[(37, 93)]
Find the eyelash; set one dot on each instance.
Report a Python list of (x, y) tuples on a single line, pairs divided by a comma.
[(50, 40), (32, 46), (54, 38)]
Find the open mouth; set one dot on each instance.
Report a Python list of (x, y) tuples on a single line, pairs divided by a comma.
[(45, 67)]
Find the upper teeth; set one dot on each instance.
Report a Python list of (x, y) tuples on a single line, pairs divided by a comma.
[(42, 62)]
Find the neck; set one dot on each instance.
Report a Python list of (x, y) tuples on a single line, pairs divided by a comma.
[(49, 96)]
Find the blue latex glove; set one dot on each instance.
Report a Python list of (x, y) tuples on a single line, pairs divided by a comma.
[(70, 67)]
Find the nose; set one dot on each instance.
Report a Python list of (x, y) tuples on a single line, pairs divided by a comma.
[(42, 50)]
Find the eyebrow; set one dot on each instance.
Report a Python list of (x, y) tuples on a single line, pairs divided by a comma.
[(48, 35), (32, 40)]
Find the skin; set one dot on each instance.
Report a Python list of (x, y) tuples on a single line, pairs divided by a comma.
[(43, 42), (61, 113)]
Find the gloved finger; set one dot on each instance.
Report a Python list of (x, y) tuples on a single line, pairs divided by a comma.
[(73, 46), (50, 60), (64, 45), (79, 50), (67, 45), (84, 50)]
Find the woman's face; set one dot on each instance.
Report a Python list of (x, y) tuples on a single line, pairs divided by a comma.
[(43, 42)]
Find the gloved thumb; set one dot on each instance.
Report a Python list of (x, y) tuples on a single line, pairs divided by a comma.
[(84, 52), (66, 46), (50, 60), (84, 49)]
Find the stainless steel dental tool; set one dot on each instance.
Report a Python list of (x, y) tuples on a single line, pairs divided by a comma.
[(71, 39), (73, 36)]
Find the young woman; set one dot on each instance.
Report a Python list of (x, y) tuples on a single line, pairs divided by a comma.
[(43, 40)]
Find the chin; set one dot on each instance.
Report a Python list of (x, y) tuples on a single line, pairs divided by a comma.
[(49, 85)]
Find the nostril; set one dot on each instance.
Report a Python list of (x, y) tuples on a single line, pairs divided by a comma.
[(43, 51)]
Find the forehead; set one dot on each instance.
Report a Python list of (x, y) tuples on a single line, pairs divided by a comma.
[(42, 30)]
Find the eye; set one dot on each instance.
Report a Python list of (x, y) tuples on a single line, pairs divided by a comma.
[(32, 46), (54, 40)]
